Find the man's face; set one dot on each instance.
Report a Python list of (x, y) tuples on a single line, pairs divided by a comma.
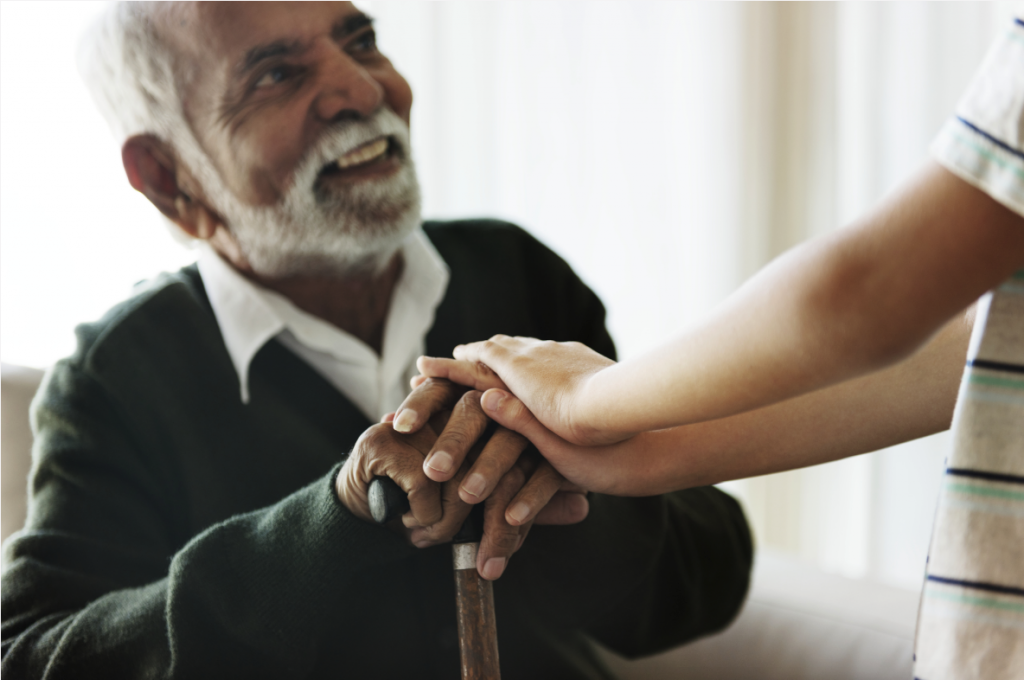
[(306, 124)]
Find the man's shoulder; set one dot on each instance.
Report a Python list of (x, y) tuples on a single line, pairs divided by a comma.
[(503, 280), (159, 313), (492, 245)]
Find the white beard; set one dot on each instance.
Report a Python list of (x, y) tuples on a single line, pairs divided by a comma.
[(308, 233)]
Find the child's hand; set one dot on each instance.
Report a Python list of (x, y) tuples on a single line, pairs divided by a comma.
[(625, 468), (471, 374), (550, 378)]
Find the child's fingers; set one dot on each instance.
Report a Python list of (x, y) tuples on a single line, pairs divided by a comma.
[(496, 353), (471, 374), (506, 410)]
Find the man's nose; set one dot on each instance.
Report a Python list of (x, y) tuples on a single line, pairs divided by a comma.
[(347, 90)]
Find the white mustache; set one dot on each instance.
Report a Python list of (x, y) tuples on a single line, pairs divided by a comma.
[(338, 141)]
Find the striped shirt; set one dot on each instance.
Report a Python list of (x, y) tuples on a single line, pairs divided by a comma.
[(971, 623)]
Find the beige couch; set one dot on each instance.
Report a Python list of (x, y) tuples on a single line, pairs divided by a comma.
[(798, 623)]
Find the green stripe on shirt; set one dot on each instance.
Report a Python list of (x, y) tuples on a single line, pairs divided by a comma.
[(973, 600), (985, 491), (985, 153), (993, 381)]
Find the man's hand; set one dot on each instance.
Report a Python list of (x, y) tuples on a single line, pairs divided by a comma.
[(551, 378), (517, 488)]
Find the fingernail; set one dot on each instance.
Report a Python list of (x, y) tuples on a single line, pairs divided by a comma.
[(492, 400), (493, 568), (440, 461), (405, 420), (475, 485), (519, 512)]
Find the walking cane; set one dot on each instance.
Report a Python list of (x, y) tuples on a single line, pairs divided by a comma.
[(474, 596)]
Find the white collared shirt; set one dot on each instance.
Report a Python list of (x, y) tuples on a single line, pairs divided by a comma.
[(249, 316)]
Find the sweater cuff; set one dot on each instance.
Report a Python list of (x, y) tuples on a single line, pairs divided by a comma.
[(372, 543)]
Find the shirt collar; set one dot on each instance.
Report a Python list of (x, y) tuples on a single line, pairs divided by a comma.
[(250, 315)]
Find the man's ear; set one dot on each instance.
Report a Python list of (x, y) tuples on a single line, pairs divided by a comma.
[(153, 171)]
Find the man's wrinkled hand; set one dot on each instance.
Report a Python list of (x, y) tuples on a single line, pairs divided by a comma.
[(517, 486)]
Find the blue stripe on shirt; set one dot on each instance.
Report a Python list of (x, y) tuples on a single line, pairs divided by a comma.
[(1002, 145), (978, 585), (989, 476), (995, 366)]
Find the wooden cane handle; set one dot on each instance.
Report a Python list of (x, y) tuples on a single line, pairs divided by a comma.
[(474, 603)]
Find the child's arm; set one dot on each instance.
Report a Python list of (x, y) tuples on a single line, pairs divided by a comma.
[(835, 308), (911, 399)]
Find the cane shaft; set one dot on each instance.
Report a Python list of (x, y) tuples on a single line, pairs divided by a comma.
[(474, 596), (474, 603)]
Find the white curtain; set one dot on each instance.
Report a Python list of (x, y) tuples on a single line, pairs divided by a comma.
[(666, 150)]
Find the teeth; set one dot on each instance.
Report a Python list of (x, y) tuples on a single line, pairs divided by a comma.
[(363, 154)]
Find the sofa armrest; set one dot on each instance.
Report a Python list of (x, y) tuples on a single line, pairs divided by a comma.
[(798, 623), (17, 386)]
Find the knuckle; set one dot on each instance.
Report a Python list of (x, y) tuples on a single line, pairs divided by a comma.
[(503, 450), (435, 388), (440, 532), (550, 478), (454, 438), (376, 437), (506, 541), (470, 402), (430, 383), (516, 441), (515, 410), (515, 478)]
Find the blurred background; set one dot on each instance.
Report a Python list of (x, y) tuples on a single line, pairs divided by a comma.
[(666, 150)]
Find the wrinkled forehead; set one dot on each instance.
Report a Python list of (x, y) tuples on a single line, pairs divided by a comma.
[(213, 41)]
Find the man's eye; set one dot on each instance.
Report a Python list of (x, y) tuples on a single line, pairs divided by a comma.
[(367, 42), (272, 77)]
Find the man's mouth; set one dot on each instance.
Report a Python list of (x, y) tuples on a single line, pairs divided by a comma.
[(365, 155)]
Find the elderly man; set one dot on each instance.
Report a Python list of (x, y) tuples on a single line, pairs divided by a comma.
[(193, 510)]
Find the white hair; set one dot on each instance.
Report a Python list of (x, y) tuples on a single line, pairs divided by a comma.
[(137, 85), (131, 75), (130, 72)]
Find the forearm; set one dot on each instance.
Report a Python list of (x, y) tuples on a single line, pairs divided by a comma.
[(828, 311), (251, 597), (912, 399)]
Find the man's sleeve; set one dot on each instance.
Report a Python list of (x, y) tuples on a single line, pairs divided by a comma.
[(640, 575), (105, 580)]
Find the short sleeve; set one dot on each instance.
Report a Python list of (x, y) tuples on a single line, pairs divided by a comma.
[(984, 142)]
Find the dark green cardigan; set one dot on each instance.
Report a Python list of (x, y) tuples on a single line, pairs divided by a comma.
[(175, 532)]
